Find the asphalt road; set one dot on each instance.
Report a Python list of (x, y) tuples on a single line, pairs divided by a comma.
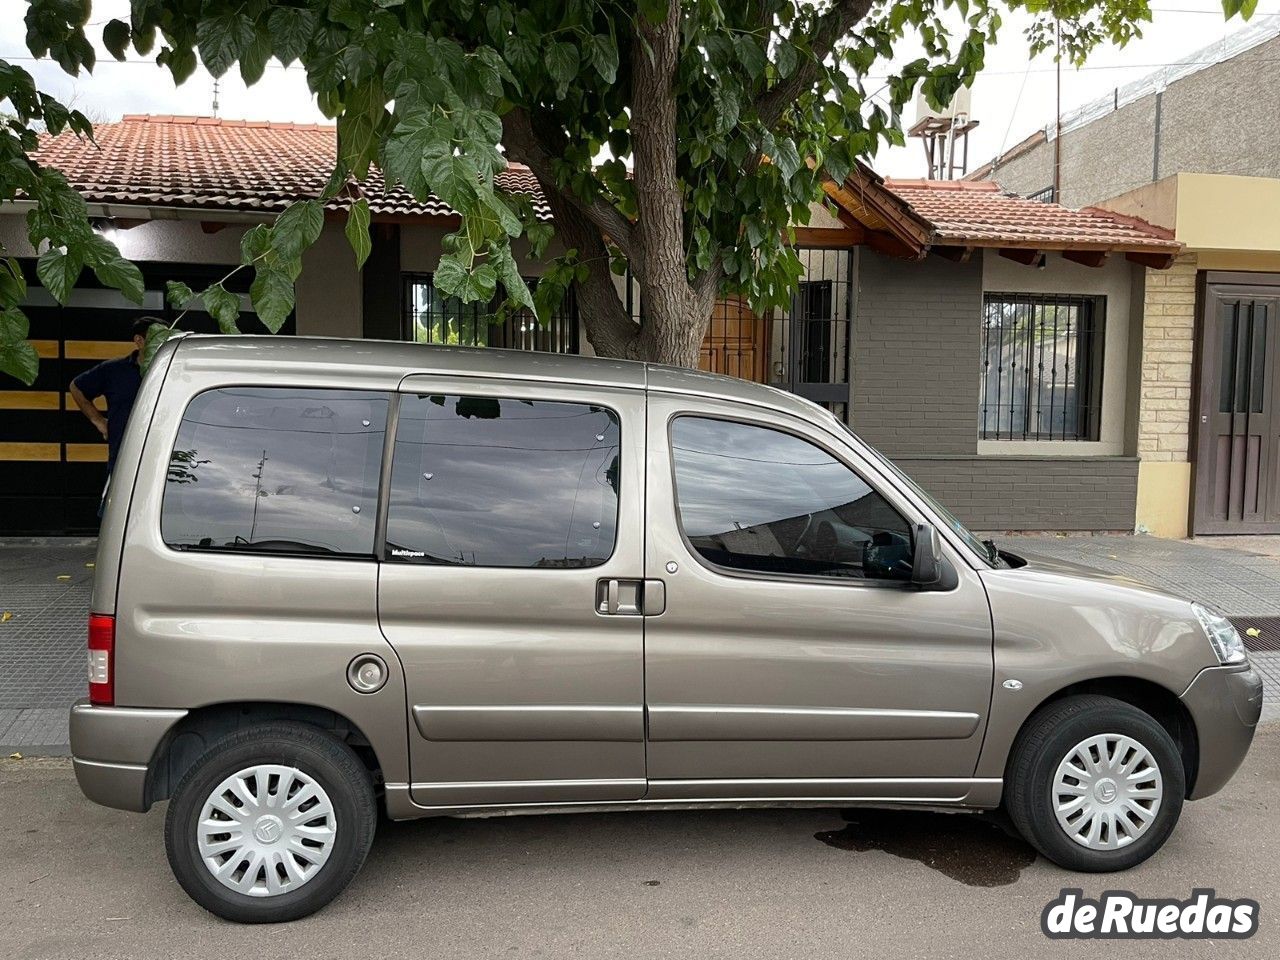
[(80, 881)]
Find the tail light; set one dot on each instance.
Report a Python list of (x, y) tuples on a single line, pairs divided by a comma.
[(102, 657)]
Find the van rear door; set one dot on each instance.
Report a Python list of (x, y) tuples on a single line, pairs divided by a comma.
[(512, 552)]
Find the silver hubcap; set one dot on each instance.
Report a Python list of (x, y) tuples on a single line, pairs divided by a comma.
[(266, 830), (1107, 791)]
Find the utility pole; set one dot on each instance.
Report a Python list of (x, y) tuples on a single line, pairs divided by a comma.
[(1057, 115)]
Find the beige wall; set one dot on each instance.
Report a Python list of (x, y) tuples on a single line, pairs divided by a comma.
[(330, 296), (328, 289), (1112, 280)]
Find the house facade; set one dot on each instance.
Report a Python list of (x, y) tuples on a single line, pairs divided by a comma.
[(986, 343), (1191, 150)]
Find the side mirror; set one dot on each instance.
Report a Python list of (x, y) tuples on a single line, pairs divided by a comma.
[(926, 560)]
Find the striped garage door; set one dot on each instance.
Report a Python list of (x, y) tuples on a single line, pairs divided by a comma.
[(52, 460)]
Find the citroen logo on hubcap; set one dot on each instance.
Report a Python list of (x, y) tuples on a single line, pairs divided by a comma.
[(268, 829), (1106, 791)]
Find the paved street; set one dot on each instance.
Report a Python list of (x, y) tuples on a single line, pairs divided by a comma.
[(79, 881), (45, 589)]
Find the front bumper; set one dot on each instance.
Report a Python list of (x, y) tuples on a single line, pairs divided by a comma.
[(112, 749), (1225, 703)]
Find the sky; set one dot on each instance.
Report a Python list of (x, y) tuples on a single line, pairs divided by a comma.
[(1013, 97)]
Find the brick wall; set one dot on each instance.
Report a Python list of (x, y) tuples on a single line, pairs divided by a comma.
[(1032, 493), (916, 363), (1168, 345), (916, 355)]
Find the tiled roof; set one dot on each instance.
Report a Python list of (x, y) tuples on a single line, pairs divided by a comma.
[(981, 214), (206, 163), (215, 164)]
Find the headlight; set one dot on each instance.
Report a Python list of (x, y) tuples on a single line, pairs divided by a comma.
[(1223, 637)]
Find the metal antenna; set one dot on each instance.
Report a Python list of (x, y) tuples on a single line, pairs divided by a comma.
[(215, 96)]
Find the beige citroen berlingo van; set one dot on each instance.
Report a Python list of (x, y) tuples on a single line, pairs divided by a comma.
[(339, 577)]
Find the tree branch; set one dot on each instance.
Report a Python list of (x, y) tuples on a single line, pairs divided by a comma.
[(610, 329), (832, 26), (524, 145)]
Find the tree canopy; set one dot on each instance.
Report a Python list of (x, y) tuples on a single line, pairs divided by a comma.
[(681, 139)]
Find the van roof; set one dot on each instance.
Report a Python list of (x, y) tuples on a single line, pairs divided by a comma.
[(320, 355)]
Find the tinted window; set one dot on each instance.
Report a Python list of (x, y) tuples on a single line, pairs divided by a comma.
[(757, 499), (271, 469), (485, 482)]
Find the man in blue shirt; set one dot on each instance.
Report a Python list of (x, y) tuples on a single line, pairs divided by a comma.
[(117, 380)]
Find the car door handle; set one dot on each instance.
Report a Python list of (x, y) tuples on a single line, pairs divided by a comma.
[(630, 598)]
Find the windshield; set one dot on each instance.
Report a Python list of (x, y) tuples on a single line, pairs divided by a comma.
[(983, 548)]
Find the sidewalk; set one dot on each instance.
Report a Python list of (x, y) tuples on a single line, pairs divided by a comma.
[(42, 656), (42, 659)]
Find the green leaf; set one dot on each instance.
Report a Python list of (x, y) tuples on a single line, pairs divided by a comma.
[(221, 40), (562, 64), (506, 217), (751, 54), (255, 242), (291, 29), (115, 37), (604, 57), (450, 276), (18, 358), (181, 62), (785, 58), (224, 306), (297, 228), (453, 179), (13, 285), (786, 158), (178, 294), (253, 60), (357, 231), (272, 295), (157, 334), (122, 275), (508, 272), (58, 272), (483, 283), (415, 138)]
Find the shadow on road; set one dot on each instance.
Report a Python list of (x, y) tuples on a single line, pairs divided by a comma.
[(975, 850)]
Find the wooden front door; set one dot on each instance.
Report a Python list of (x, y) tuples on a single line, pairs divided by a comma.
[(737, 343), (1238, 427)]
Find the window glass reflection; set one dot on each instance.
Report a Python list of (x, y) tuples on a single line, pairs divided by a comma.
[(481, 481), (273, 469), (762, 500)]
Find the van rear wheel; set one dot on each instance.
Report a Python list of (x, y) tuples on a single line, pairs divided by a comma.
[(271, 823), (1095, 784)]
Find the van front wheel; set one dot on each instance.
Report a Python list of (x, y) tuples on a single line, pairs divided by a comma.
[(1095, 784), (271, 823)]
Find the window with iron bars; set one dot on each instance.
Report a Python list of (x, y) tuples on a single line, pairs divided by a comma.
[(1041, 373), (431, 317)]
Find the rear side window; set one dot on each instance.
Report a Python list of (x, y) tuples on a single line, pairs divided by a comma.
[(488, 482), (276, 470), (761, 500)]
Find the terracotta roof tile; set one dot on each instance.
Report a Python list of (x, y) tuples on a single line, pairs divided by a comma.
[(246, 165), (981, 214), (209, 163)]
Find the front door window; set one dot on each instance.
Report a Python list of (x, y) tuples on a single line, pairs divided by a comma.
[(760, 500)]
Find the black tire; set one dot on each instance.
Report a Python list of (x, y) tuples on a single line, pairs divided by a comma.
[(330, 763), (1045, 742)]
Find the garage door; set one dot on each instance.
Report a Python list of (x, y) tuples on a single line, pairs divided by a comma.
[(52, 460)]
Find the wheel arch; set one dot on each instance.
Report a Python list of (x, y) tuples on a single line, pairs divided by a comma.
[(190, 737), (1159, 702)]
